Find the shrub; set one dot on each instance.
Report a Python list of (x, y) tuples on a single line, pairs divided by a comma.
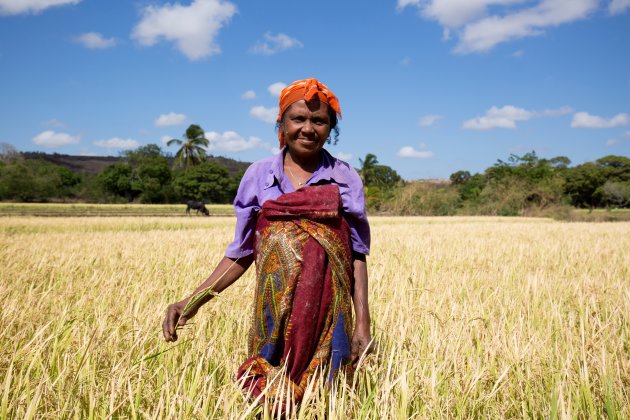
[(423, 199)]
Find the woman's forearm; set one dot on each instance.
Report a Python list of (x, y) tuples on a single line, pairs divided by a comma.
[(360, 292), (224, 275)]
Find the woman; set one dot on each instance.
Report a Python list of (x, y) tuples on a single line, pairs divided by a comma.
[(301, 216)]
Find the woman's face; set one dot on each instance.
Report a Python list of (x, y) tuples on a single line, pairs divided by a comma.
[(306, 127)]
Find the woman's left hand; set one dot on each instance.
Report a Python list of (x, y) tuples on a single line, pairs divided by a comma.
[(361, 342)]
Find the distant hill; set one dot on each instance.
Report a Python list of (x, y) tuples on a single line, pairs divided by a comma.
[(95, 164)]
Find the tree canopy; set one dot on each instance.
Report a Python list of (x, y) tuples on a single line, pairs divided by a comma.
[(208, 182), (375, 175), (192, 150)]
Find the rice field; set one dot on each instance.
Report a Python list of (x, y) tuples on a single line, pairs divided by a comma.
[(472, 318), (107, 210)]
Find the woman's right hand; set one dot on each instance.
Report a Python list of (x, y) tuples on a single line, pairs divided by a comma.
[(227, 272), (174, 318)]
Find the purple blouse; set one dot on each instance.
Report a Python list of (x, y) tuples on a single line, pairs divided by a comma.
[(265, 180)]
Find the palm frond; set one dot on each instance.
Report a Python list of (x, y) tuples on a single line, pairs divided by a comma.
[(174, 141)]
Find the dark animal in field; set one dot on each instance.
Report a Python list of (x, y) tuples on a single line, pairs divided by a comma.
[(197, 205)]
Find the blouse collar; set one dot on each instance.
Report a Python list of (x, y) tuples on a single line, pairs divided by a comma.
[(326, 170)]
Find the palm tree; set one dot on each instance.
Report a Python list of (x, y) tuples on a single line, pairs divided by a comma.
[(192, 149), (367, 167)]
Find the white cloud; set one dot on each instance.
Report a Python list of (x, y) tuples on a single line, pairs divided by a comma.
[(15, 7), (618, 6), (455, 13), (170, 119), (165, 139), (483, 24), (50, 138), (504, 117), (273, 44), (117, 143), (586, 120), (405, 61), (344, 156), (555, 112), (429, 120), (276, 88), (404, 3), (410, 152), (446, 34), (192, 28), (268, 115), (518, 54), (54, 122), (94, 40), (486, 33), (231, 141), (250, 94), (618, 140)]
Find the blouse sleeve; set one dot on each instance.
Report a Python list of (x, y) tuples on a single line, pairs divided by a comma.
[(353, 201), (246, 206)]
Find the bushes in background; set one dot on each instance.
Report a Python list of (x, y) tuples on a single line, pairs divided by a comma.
[(520, 185)]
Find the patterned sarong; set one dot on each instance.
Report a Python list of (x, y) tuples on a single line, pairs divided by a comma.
[(302, 320)]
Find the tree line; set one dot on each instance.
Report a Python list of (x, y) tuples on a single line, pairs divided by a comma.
[(146, 175), (524, 184), (517, 185)]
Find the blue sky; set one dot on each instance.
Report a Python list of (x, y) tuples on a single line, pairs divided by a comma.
[(429, 86)]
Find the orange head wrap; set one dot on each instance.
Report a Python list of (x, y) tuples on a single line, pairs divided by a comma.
[(306, 89)]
